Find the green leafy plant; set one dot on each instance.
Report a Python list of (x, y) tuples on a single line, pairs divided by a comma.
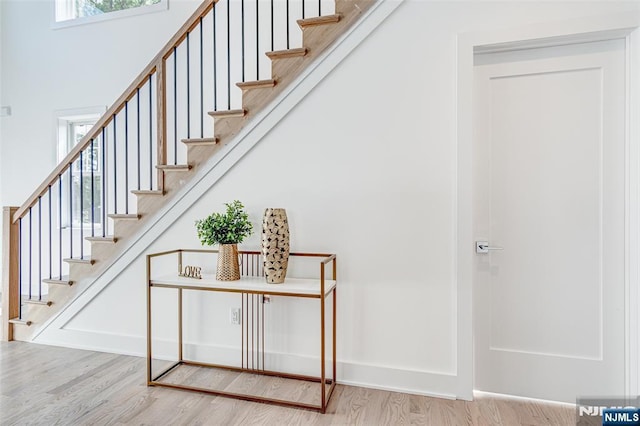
[(231, 227)]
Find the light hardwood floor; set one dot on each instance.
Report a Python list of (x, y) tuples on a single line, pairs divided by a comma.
[(45, 385)]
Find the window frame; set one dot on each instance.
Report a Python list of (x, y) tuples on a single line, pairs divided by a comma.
[(64, 121), (162, 5)]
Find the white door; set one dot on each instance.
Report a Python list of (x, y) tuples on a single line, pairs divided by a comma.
[(549, 175)]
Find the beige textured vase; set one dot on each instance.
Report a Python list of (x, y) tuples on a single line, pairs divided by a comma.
[(228, 266), (275, 245)]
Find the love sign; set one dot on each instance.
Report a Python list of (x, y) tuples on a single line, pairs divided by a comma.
[(191, 272)]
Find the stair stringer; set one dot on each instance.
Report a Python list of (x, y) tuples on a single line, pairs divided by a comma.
[(205, 176)]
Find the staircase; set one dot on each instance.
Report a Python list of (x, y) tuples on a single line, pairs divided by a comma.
[(151, 142)]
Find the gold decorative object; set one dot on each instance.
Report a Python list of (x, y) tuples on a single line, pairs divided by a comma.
[(191, 272), (228, 265), (275, 245)]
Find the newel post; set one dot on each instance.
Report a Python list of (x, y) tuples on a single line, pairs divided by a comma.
[(10, 290)]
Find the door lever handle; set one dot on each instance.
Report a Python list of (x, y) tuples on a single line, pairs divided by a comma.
[(483, 247)]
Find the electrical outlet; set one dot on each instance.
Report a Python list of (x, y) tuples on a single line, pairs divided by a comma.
[(235, 316)]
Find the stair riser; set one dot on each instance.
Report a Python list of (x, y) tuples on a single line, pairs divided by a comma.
[(79, 269), (149, 204), (199, 155), (227, 127), (318, 38), (102, 252), (262, 92), (122, 229), (281, 69), (175, 181), (352, 10), (257, 99)]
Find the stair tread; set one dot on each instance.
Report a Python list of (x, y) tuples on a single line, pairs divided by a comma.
[(61, 281), (173, 167), (19, 321), (42, 302), (147, 192), (200, 141), (257, 84), (229, 113), (80, 260), (287, 53), (107, 239), (320, 20), (125, 216)]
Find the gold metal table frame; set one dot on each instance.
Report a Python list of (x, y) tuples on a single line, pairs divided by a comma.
[(252, 360)]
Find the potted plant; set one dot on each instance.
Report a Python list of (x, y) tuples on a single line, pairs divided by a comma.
[(228, 230)]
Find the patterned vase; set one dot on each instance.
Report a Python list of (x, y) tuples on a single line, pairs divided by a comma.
[(228, 265), (275, 245)]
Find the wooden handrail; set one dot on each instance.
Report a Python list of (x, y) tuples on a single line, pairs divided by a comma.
[(118, 105)]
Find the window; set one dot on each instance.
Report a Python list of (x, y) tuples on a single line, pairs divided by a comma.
[(83, 11), (71, 129)]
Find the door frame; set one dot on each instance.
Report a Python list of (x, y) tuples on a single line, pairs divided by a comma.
[(597, 28)]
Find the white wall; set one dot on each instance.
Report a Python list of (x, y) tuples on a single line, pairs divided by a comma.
[(365, 166)]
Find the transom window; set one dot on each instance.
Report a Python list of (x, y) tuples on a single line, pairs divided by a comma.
[(92, 10)]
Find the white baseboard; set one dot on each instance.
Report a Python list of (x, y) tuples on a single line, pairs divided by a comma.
[(394, 379), (351, 373)]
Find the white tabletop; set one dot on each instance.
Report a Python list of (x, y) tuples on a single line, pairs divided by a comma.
[(292, 286)]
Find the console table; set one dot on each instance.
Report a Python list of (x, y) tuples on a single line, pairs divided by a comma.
[(253, 288)]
